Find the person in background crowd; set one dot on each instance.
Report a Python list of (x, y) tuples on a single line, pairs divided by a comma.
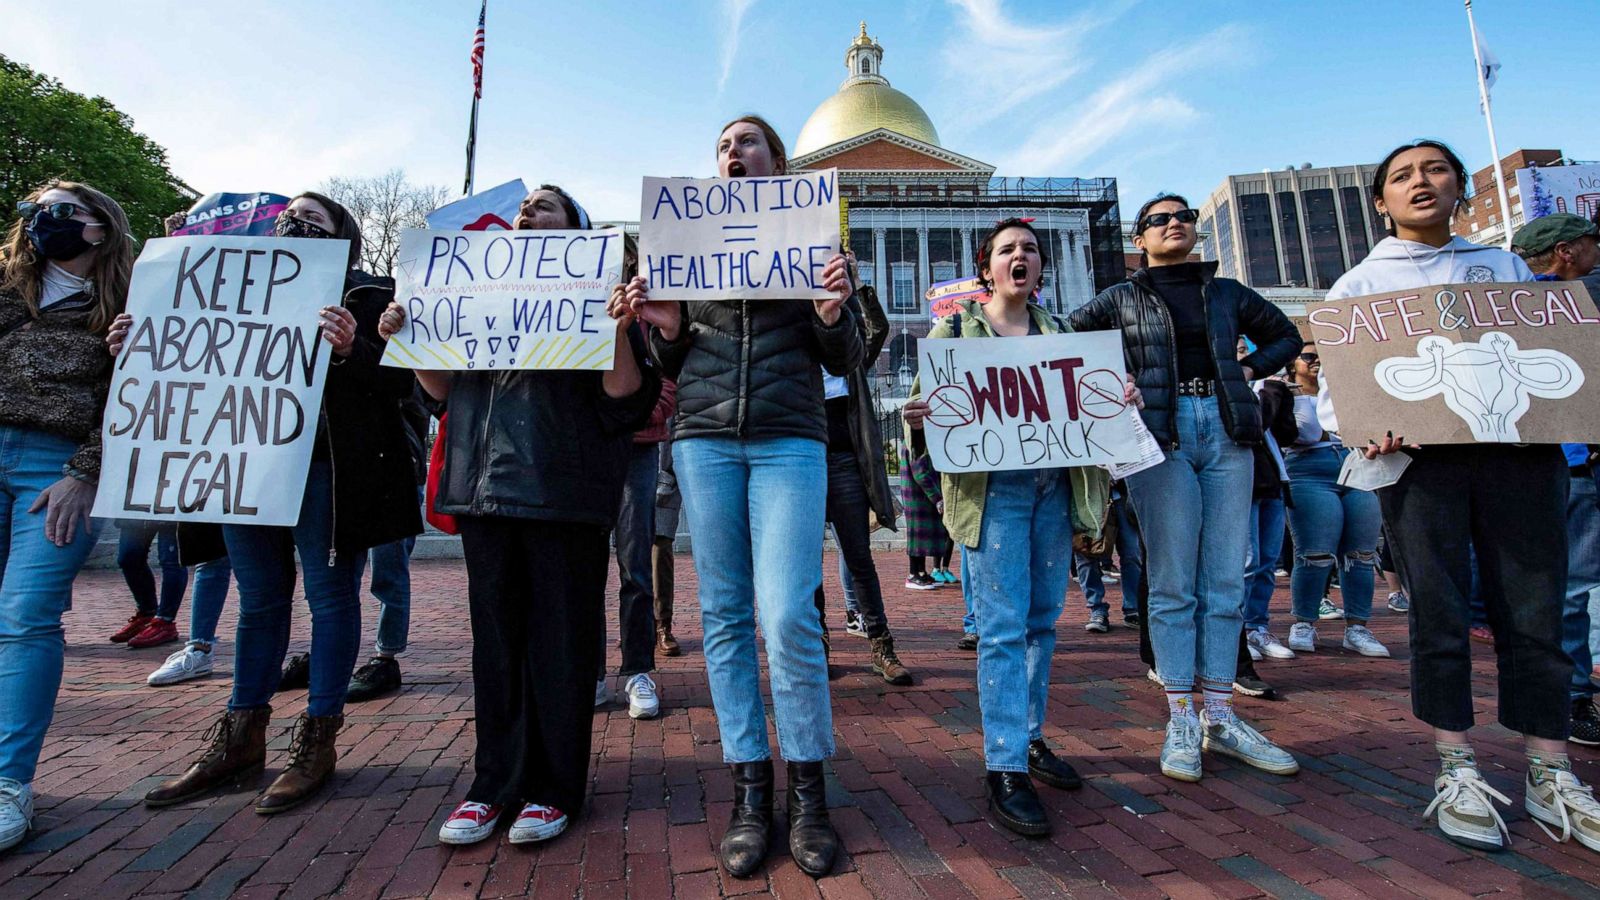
[(1270, 493), (750, 450), (64, 268), (1092, 577), (154, 620), (668, 505), (1017, 528), (1506, 502), (1398, 601), (371, 501), (923, 502), (1180, 324), (535, 522), (1565, 247)]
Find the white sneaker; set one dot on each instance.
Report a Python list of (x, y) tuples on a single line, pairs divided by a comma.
[(189, 663), (1465, 804), (1180, 752), (1568, 804), (1359, 638), (16, 812), (1255, 655), (537, 823), (642, 700), (1236, 739), (1154, 678), (470, 823), (602, 695), (1264, 643), (1303, 637)]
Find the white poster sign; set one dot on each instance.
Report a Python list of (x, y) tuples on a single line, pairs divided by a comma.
[(506, 299), (216, 395), (1559, 189), (1038, 402), (490, 210), (732, 238)]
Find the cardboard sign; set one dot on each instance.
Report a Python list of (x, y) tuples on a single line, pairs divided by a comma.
[(216, 394), (1559, 189), (1038, 402), (506, 299), (246, 214), (733, 238), (1464, 363), (495, 208), (945, 298)]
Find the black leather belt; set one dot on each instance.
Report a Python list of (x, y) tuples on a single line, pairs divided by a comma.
[(1197, 387)]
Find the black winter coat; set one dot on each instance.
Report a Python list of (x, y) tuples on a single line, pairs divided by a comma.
[(748, 368), (1134, 308), (1277, 416), (864, 430)]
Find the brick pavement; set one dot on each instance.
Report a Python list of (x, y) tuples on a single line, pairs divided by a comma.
[(907, 783)]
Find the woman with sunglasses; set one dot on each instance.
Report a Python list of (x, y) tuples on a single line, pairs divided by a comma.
[(359, 493), (750, 452), (1180, 324), (64, 270)]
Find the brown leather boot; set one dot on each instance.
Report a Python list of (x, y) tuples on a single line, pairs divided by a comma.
[(238, 748), (887, 664), (311, 758), (665, 642)]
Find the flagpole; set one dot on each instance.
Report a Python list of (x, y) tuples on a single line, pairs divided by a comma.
[(1494, 145), (477, 92), (472, 146)]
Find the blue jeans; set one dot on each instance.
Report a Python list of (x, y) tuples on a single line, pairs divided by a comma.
[(1260, 570), (1130, 556), (635, 534), (969, 622), (263, 559), (133, 557), (1331, 524), (210, 594), (391, 584), (1020, 571), (1583, 578), (847, 585), (35, 589), (756, 510), (1195, 511)]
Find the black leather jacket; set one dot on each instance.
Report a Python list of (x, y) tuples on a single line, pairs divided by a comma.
[(1134, 308), (748, 368)]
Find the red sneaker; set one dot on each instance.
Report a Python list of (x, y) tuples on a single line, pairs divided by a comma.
[(537, 822), (135, 625), (1482, 634), (158, 632), (470, 823)]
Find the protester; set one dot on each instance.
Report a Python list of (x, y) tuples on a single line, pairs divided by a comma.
[(1090, 571), (1565, 247), (359, 493), (669, 503), (1179, 325), (154, 619), (922, 500), (1017, 528), (750, 450), (64, 269), (1506, 502), (1398, 601), (205, 610)]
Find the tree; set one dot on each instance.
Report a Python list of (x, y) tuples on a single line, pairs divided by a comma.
[(47, 131), (385, 205)]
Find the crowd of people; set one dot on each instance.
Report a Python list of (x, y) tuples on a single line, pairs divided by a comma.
[(755, 419)]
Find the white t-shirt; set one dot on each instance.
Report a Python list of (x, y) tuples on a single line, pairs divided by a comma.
[(58, 285)]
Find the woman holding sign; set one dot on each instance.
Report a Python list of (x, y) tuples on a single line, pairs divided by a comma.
[(64, 268), (1180, 324), (1506, 502), (750, 452), (1016, 528)]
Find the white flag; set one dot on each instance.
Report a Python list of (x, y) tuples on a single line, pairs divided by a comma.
[(1488, 65)]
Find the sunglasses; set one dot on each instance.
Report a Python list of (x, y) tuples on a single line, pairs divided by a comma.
[(1160, 220), (27, 210), (1309, 357)]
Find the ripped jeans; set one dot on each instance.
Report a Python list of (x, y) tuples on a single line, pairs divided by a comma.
[(1331, 525)]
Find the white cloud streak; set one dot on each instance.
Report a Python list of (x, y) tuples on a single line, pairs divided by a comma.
[(733, 12)]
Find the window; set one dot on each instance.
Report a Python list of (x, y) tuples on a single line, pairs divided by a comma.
[(1260, 245), (1355, 229), (1222, 237), (866, 66), (1322, 233), (1294, 262), (903, 281)]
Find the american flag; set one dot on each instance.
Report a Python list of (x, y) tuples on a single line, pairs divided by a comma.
[(477, 53)]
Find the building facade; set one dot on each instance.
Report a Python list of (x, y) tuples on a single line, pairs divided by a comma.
[(1292, 227), (1485, 222)]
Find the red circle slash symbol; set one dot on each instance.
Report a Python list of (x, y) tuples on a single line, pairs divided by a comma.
[(1100, 394), (950, 407)]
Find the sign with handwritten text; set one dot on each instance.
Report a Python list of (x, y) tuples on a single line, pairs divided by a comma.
[(739, 238), (506, 299), (1038, 402)]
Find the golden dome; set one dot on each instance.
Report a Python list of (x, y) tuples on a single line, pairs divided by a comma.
[(865, 102)]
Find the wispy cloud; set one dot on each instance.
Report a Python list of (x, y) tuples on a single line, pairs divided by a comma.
[(733, 11)]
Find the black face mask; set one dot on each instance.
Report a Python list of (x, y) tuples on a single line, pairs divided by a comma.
[(289, 226), (58, 239)]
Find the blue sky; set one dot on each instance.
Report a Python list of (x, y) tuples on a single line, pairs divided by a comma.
[(593, 95)]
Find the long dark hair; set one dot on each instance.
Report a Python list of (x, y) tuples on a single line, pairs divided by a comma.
[(568, 205), (1382, 175), (344, 224), (780, 156), (22, 270), (1138, 220), (986, 247)]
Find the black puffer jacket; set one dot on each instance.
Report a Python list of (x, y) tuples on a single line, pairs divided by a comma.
[(748, 368), (1134, 308)]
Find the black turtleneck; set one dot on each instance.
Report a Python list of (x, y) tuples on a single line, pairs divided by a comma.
[(1179, 288)]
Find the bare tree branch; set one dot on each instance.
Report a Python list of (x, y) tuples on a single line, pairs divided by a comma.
[(385, 205)]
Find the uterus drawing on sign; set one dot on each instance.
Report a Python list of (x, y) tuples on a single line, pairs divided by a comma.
[(1487, 382)]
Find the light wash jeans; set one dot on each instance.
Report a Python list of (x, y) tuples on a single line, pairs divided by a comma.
[(756, 510), (1331, 524), (35, 590), (1261, 568), (1019, 572), (391, 584), (969, 622), (1583, 578), (1195, 512)]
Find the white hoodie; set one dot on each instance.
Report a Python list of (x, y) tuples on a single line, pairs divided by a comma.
[(1397, 265)]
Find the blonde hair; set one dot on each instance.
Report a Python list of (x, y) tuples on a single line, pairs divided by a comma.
[(22, 270)]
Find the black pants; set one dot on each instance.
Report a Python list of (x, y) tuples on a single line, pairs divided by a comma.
[(1510, 504), (851, 514), (635, 538), (537, 594)]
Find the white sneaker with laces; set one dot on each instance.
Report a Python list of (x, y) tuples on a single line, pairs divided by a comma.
[(1180, 752), (1303, 637), (1236, 739), (1267, 644), (189, 663), (1360, 639), (1465, 804), (16, 812), (1566, 803), (642, 700), (602, 694)]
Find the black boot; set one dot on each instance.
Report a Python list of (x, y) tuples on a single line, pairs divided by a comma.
[(1051, 769), (1016, 805), (812, 840), (744, 844)]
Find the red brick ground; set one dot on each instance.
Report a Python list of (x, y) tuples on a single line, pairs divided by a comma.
[(908, 795)]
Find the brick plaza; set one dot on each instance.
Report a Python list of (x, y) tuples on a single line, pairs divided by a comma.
[(907, 786)]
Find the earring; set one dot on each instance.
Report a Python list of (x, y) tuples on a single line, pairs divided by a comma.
[(1388, 223)]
